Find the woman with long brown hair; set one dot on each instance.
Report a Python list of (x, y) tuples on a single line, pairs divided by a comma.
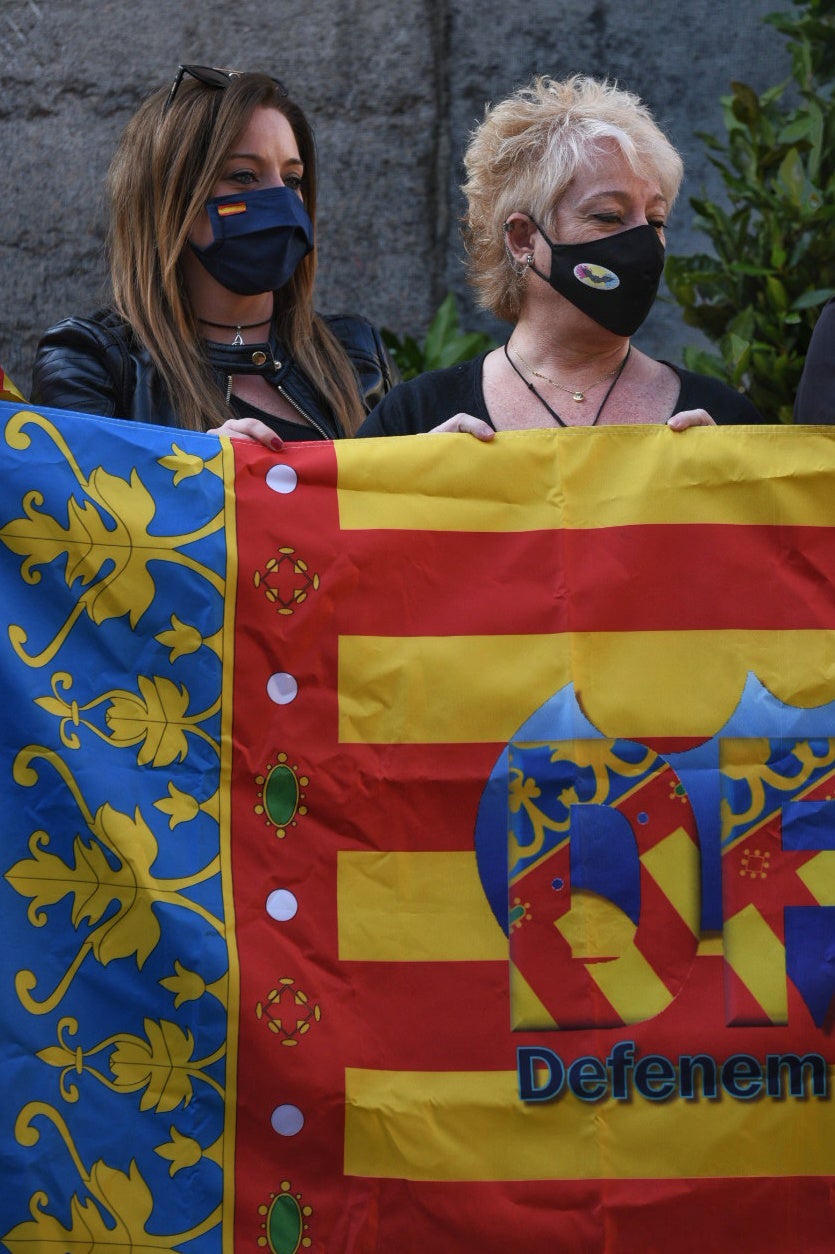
[(212, 263)]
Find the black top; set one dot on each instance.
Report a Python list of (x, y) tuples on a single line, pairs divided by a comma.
[(815, 401), (422, 403), (283, 427)]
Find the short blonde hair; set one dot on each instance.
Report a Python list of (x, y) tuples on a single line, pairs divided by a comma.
[(526, 152)]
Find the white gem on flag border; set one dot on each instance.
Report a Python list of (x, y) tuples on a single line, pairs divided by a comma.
[(287, 1120), (282, 905), (282, 688), (282, 478)]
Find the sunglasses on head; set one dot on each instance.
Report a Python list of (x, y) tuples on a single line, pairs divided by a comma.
[(210, 76)]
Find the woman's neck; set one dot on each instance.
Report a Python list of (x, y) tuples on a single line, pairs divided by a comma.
[(565, 354), (219, 312)]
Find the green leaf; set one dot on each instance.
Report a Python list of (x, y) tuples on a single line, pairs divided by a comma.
[(442, 328), (757, 290), (444, 344), (811, 300), (792, 176)]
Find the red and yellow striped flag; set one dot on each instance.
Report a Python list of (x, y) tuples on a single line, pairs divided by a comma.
[(419, 844)]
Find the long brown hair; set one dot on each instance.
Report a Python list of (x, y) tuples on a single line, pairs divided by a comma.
[(162, 174)]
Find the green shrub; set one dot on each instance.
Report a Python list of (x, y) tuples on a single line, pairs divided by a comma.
[(759, 296), (444, 344)]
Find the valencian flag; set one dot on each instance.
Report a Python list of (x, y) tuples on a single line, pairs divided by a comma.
[(417, 845), (8, 391)]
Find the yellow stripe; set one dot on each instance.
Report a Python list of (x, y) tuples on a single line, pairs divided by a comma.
[(227, 464), (818, 874), (453, 689), (427, 689), (414, 907), (596, 928), (8, 391), (527, 1013), (674, 864), (385, 899), (432, 1125), (449, 483), (612, 477), (759, 959)]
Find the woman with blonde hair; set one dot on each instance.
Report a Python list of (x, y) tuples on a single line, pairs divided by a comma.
[(569, 185), (212, 263)]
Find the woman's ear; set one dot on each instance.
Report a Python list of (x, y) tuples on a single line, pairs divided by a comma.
[(520, 237)]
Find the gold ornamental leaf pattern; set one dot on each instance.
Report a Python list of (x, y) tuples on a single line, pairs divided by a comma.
[(106, 542), (156, 717), (44, 878), (45, 1232), (181, 639), (130, 587), (95, 885), (126, 1197), (159, 1065), (38, 541), (180, 806), (184, 984), (94, 550), (181, 1151), (134, 928)]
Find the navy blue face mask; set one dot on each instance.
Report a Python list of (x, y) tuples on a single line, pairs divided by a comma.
[(258, 239), (613, 279)]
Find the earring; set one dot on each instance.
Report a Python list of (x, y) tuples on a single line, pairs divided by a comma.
[(529, 261)]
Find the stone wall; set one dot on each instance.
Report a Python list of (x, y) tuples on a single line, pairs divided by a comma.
[(392, 89)]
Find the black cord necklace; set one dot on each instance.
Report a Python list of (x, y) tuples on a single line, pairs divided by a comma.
[(236, 327), (553, 412)]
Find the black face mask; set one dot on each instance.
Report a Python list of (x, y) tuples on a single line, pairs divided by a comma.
[(614, 279), (258, 239)]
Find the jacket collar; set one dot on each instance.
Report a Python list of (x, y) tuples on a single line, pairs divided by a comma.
[(266, 357)]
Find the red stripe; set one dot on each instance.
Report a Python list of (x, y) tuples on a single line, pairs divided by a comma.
[(640, 578)]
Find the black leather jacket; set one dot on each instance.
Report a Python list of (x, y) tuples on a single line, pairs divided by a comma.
[(95, 366)]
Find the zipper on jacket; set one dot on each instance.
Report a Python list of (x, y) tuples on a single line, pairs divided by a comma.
[(326, 435), (312, 421)]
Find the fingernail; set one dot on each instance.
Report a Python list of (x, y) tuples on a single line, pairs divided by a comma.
[(276, 442)]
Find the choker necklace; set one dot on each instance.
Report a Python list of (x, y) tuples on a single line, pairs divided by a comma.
[(574, 393), (617, 372), (236, 327)]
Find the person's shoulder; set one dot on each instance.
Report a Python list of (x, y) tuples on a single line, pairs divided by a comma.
[(363, 345), (826, 318), (815, 399), (725, 405), (443, 378), (102, 327), (356, 334), (423, 402), (84, 363)]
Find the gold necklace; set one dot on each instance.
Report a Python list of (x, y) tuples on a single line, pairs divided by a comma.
[(574, 393), (617, 372)]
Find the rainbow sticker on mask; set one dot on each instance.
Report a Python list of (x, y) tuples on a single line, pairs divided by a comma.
[(595, 276)]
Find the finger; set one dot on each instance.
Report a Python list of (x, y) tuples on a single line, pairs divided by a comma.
[(251, 429), (467, 423), (690, 418)]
